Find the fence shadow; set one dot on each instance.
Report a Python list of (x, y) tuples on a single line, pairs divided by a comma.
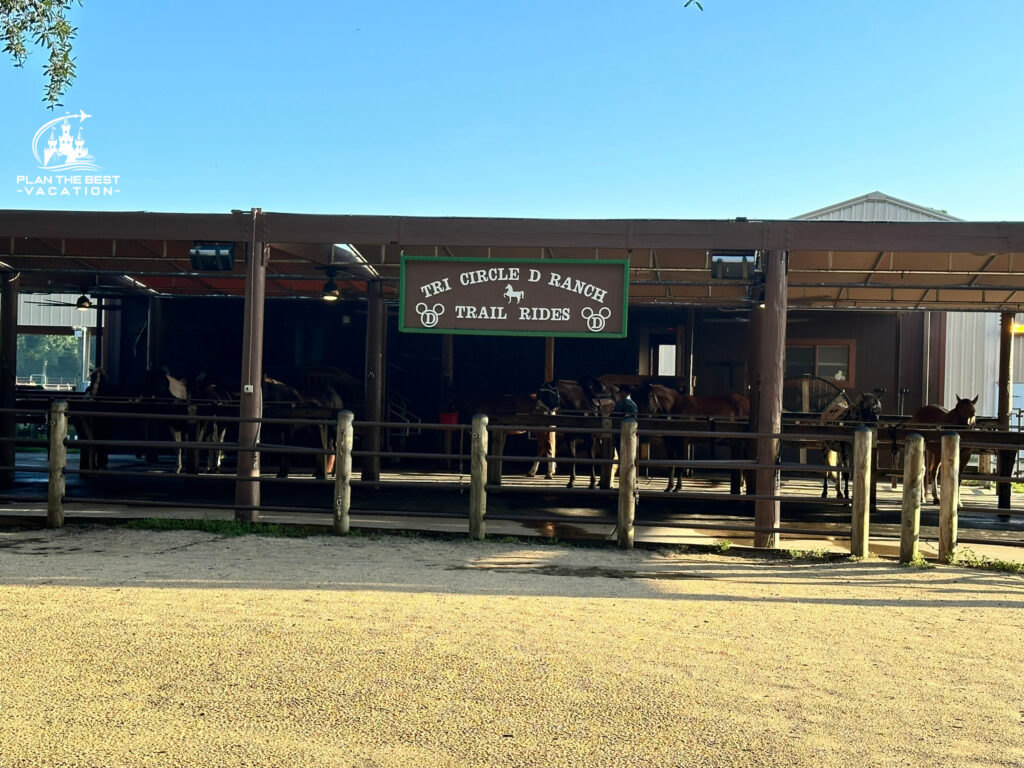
[(95, 557)]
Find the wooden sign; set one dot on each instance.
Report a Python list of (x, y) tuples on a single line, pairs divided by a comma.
[(527, 297)]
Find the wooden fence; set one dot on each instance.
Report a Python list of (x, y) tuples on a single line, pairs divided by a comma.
[(629, 435)]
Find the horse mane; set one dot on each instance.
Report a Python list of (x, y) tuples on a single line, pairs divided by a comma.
[(843, 409), (594, 387)]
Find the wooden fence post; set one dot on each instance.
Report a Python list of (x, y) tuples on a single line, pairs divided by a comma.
[(478, 478), (627, 483), (343, 473), (985, 468), (859, 536), (913, 491), (949, 496), (58, 462)]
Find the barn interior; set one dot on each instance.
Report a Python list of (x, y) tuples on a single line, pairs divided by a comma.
[(864, 300)]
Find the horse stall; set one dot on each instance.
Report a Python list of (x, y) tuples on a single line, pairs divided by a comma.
[(248, 300)]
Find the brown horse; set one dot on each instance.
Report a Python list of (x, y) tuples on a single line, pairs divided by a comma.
[(962, 415), (661, 399), (507, 404), (324, 396), (588, 397)]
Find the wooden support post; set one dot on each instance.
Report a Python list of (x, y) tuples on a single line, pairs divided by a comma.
[(949, 496), (874, 469), (913, 491), (607, 452), (192, 433), (154, 333), (549, 358), (497, 448), (772, 351), (376, 323), (447, 367), (860, 525), (247, 485), (985, 468), (58, 462), (1004, 461), (478, 479), (8, 375), (343, 473), (627, 483), (691, 376), (102, 335), (805, 407), (447, 390), (894, 469), (752, 381)]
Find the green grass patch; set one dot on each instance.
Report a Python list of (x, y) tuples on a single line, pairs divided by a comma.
[(226, 527), (813, 555), (919, 562), (970, 559)]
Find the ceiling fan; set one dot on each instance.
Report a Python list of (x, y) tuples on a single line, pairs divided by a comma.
[(83, 303)]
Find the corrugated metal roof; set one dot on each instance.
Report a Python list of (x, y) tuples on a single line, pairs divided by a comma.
[(876, 206), (36, 309)]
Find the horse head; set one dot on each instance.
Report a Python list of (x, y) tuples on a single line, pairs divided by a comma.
[(658, 399), (97, 382), (964, 410), (548, 400), (867, 409), (179, 388)]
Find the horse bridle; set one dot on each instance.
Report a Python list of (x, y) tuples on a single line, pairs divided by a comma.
[(549, 389)]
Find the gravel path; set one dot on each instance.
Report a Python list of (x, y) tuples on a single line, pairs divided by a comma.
[(130, 648)]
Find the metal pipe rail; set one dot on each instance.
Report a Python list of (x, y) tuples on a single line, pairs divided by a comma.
[(26, 442), (151, 473)]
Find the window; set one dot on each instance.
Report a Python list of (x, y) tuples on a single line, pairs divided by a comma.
[(666, 357), (664, 352), (55, 361), (830, 359)]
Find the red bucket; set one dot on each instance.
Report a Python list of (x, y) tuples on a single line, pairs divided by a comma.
[(448, 417)]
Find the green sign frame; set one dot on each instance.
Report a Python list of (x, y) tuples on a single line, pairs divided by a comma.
[(410, 262)]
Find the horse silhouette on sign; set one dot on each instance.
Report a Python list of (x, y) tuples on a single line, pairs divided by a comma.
[(511, 293)]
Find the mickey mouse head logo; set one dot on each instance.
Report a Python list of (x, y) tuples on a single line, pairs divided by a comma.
[(596, 320), (429, 315)]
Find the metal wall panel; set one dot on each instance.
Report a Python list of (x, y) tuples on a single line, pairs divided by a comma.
[(972, 359)]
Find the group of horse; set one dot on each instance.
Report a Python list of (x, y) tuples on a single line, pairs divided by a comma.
[(213, 420), (593, 397), (589, 396)]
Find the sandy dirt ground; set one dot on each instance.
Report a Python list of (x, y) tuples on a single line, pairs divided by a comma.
[(130, 648)]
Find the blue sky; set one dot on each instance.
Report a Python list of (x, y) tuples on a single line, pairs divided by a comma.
[(564, 108)]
